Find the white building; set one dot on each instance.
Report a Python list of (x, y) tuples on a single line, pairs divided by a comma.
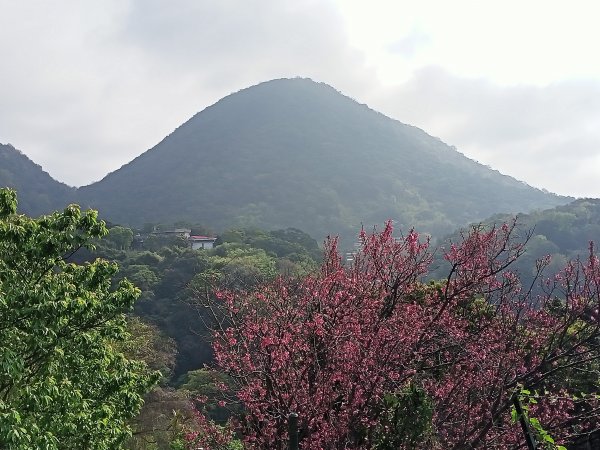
[(201, 242)]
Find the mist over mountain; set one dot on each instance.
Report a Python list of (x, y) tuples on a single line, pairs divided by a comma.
[(297, 153), (39, 193)]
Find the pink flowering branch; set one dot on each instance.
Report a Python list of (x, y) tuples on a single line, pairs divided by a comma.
[(332, 346)]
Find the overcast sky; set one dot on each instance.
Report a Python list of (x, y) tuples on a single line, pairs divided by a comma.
[(87, 86)]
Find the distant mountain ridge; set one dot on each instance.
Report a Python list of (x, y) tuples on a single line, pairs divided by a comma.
[(297, 153), (39, 193)]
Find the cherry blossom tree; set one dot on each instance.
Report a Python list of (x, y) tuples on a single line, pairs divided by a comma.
[(371, 356)]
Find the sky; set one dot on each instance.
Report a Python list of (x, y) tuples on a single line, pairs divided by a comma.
[(85, 87)]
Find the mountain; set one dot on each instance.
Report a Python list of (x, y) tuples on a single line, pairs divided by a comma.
[(296, 153), (39, 193)]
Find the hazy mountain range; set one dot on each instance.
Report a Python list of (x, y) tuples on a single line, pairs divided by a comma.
[(289, 153), (38, 192)]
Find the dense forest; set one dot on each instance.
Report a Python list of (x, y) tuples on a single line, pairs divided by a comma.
[(170, 274), (268, 287), (169, 327)]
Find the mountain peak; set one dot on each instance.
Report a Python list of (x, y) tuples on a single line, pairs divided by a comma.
[(297, 153)]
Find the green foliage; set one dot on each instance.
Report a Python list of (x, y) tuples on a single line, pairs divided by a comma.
[(155, 242), (288, 243), (297, 253), (120, 237), (142, 276), (63, 382), (165, 410), (543, 438), (171, 276), (406, 419), (149, 344), (164, 415), (243, 266)]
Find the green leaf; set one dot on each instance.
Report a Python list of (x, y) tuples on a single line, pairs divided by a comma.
[(59, 365)]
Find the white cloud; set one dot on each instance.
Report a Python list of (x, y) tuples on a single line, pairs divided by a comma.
[(90, 88), (508, 42), (544, 135)]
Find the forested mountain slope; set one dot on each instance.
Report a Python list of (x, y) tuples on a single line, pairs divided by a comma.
[(39, 193), (296, 153)]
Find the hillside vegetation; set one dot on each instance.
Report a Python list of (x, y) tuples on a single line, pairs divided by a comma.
[(296, 153), (39, 193), (564, 233)]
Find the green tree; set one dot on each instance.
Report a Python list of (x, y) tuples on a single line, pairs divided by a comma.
[(165, 410), (121, 237), (63, 381)]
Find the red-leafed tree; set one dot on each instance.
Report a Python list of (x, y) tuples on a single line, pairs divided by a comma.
[(369, 356)]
